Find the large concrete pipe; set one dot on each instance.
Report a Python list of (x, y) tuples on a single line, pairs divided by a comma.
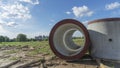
[(105, 38), (61, 42)]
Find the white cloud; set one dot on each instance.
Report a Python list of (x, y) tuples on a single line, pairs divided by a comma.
[(49, 24), (14, 11), (11, 24), (34, 2), (112, 6), (85, 23), (2, 30), (68, 12), (52, 20), (2, 22), (82, 11)]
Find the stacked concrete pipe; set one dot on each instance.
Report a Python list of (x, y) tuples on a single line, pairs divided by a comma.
[(102, 36), (105, 38)]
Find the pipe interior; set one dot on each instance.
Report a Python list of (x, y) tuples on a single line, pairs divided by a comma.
[(64, 42)]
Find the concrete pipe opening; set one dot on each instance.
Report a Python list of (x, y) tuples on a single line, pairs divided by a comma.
[(69, 41), (62, 40)]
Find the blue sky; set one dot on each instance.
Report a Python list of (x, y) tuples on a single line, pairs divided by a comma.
[(37, 17)]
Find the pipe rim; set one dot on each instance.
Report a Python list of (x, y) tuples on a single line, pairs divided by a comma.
[(104, 19), (85, 48)]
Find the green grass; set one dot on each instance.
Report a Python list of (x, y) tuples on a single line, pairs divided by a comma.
[(79, 42), (21, 44), (37, 43), (39, 46)]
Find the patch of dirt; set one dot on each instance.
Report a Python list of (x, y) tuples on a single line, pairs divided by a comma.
[(17, 57)]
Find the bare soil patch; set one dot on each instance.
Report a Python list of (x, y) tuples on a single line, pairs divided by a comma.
[(20, 57)]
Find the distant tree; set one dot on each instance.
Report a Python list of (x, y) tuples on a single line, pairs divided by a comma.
[(6, 39), (2, 39), (45, 38), (39, 38), (31, 39), (13, 40), (21, 38)]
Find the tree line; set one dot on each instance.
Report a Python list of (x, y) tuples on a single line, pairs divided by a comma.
[(23, 38)]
